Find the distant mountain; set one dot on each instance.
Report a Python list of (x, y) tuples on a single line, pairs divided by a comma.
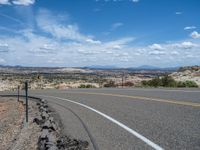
[(101, 67), (148, 67), (93, 67)]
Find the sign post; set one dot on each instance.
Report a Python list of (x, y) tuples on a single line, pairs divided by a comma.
[(26, 92), (18, 93)]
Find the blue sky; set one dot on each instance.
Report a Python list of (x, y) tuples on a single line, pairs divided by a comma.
[(123, 33)]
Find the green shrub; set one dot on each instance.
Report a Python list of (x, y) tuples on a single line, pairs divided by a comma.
[(110, 84), (144, 83), (190, 84), (168, 81), (181, 84), (155, 82), (82, 86), (86, 86)]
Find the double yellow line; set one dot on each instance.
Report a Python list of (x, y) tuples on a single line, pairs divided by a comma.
[(170, 101)]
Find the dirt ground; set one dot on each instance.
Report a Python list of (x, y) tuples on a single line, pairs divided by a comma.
[(14, 133)]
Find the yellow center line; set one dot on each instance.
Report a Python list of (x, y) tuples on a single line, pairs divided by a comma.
[(144, 98)]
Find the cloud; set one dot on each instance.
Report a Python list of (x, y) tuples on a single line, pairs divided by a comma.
[(45, 49), (23, 2), (4, 48), (55, 40), (11, 18), (156, 52), (17, 2), (195, 35), (134, 1), (93, 41), (178, 13), (2, 61), (48, 23), (174, 53), (4, 2), (116, 25), (118, 44), (156, 47), (189, 28), (187, 45)]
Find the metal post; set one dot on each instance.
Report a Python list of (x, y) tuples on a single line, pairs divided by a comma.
[(18, 93), (26, 92), (122, 80)]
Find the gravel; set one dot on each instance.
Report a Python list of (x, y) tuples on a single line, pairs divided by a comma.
[(15, 134)]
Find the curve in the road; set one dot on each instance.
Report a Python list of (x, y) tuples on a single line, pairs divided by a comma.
[(133, 132), (83, 124)]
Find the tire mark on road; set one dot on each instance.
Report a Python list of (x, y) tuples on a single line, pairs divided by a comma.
[(82, 123)]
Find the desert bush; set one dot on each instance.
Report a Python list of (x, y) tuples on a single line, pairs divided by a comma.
[(128, 83), (190, 84), (181, 84), (110, 84), (86, 86), (168, 81), (144, 83), (155, 82)]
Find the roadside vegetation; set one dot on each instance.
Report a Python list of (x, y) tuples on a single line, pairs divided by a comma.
[(86, 86), (168, 81)]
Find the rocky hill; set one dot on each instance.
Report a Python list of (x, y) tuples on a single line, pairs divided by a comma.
[(188, 73)]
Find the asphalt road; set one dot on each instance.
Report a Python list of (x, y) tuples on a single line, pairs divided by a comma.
[(126, 119)]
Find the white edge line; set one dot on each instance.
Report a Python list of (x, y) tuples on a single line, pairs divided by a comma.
[(141, 137)]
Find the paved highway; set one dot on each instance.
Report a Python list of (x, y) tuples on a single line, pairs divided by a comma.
[(126, 119)]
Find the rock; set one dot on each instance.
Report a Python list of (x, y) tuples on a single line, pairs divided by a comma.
[(44, 115), (51, 119), (45, 133), (53, 147), (51, 138), (37, 121), (46, 125)]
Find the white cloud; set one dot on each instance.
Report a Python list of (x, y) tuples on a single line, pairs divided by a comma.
[(59, 40), (178, 13), (156, 52), (47, 22), (118, 44), (156, 47), (175, 53), (135, 1), (2, 61), (17, 2), (4, 48), (93, 41), (4, 2), (187, 45), (189, 28), (195, 35), (116, 25), (23, 2)]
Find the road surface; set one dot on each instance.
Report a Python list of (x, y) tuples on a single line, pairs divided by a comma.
[(126, 119)]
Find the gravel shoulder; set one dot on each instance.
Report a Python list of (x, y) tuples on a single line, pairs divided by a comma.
[(15, 134), (43, 130)]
